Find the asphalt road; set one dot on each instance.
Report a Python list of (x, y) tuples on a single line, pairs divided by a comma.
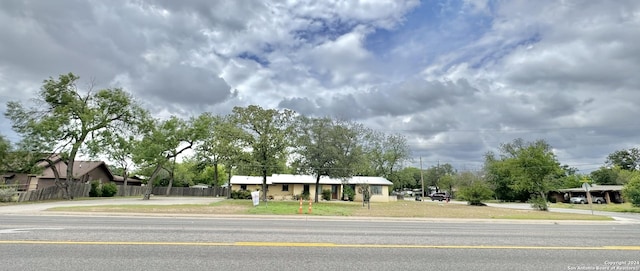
[(53, 242)]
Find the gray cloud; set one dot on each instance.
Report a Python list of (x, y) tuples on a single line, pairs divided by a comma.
[(457, 84), (184, 85)]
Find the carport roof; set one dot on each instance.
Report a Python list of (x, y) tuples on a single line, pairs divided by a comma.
[(595, 188)]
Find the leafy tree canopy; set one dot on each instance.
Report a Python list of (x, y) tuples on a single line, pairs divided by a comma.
[(524, 167), (64, 118), (625, 159)]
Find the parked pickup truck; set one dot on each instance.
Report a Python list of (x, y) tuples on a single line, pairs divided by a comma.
[(439, 197), (583, 200)]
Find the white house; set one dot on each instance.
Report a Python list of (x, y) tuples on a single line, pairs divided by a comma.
[(288, 186)]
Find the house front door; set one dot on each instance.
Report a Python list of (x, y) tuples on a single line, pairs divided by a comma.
[(334, 191)]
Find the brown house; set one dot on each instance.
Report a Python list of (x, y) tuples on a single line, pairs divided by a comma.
[(83, 171)]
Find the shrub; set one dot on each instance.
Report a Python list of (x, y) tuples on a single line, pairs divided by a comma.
[(539, 203), (326, 194), (475, 193), (242, 194), (96, 190), (631, 191), (109, 189), (349, 192), (7, 194), (305, 195)]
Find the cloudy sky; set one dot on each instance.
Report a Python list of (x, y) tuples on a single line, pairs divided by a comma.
[(456, 77)]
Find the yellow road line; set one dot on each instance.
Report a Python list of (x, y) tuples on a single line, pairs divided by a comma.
[(333, 245)]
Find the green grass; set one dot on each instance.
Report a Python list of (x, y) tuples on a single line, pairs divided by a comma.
[(293, 208), (614, 207)]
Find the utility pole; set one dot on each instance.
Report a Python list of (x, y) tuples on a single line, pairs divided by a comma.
[(438, 177), (422, 178)]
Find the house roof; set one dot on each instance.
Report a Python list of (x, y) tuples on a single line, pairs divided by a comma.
[(309, 179), (54, 157), (80, 168), (130, 179), (370, 180), (17, 178), (83, 167), (247, 180), (301, 179)]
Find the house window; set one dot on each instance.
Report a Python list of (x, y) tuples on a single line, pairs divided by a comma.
[(285, 187), (243, 187), (305, 189), (376, 189)]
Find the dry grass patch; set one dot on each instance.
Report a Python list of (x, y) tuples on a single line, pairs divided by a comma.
[(340, 208), (450, 210), (159, 209)]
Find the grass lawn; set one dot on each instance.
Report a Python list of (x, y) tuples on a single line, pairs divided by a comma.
[(614, 207), (338, 208)]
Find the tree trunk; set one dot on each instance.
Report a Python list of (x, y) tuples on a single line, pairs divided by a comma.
[(229, 185), (173, 169), (545, 207), (147, 193), (317, 186), (69, 180), (125, 177), (215, 173), (264, 185), (168, 192), (56, 175)]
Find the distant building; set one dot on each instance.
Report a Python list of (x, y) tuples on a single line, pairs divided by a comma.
[(288, 186), (83, 171), (610, 193)]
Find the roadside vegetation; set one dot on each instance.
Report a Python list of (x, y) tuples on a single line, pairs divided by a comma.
[(67, 121), (399, 209)]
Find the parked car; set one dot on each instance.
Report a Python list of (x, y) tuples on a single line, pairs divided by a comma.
[(439, 196), (583, 200)]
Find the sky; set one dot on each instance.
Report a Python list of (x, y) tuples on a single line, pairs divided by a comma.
[(457, 78)]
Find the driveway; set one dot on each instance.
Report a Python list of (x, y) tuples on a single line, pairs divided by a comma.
[(627, 217), (31, 208), (630, 217)]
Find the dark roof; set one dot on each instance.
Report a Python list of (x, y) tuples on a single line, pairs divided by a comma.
[(130, 179), (595, 188)]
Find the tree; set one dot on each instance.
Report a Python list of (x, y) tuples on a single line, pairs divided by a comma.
[(625, 159), (267, 133), (351, 141), (499, 176), (65, 119), (118, 147), (605, 175), (530, 168), (322, 149), (223, 143), (387, 153), (434, 174), (475, 193), (163, 143), (5, 149), (631, 191), (406, 177)]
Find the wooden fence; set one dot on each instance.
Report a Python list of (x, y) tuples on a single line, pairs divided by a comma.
[(131, 190), (79, 190), (76, 190), (192, 192)]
